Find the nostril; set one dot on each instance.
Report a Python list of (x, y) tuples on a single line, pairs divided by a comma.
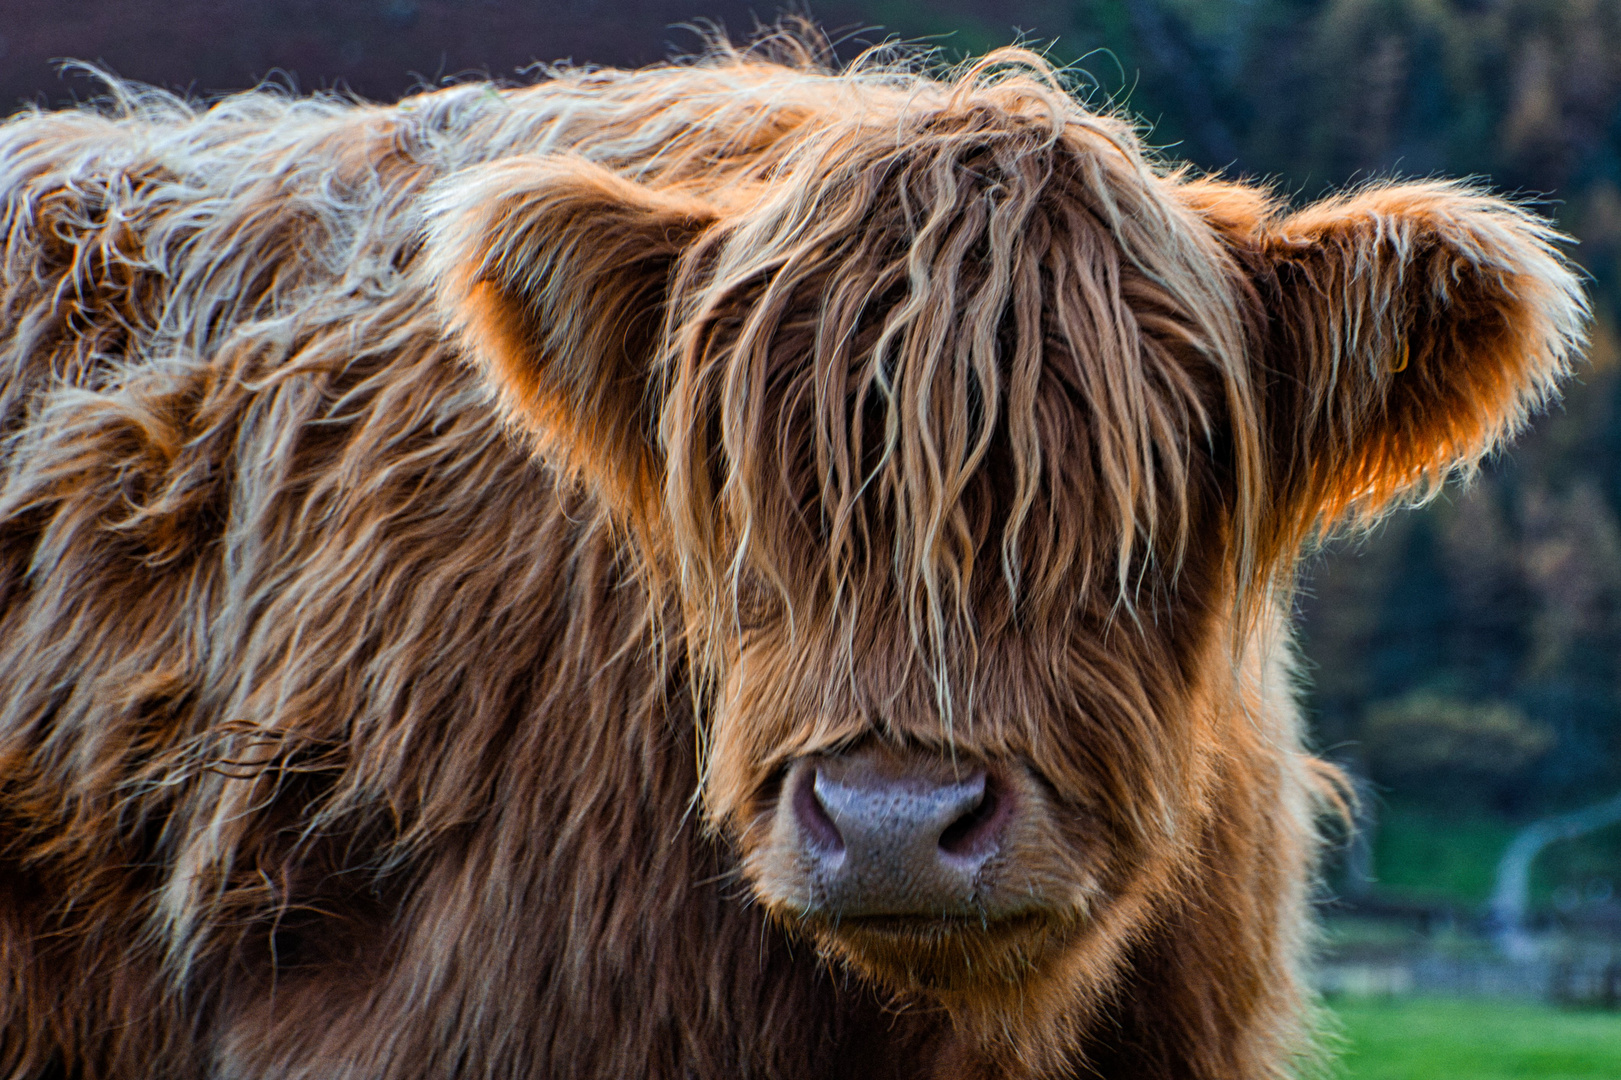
[(974, 832), (813, 816)]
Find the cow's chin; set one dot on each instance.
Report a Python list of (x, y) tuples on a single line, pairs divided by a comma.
[(951, 960)]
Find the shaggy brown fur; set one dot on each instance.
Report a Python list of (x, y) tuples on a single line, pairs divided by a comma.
[(344, 735)]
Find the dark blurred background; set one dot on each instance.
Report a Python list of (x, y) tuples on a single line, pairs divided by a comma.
[(1465, 661)]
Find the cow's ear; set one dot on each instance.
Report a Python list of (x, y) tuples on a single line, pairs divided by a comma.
[(554, 274), (1407, 331)]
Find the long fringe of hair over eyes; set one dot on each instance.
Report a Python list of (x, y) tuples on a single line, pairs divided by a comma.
[(964, 330)]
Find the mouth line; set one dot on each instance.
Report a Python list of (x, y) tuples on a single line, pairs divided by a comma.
[(931, 928)]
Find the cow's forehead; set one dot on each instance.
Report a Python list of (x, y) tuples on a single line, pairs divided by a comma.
[(959, 362)]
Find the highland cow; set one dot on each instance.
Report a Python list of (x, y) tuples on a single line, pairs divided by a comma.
[(733, 569)]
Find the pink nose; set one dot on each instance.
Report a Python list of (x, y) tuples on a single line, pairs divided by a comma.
[(876, 837)]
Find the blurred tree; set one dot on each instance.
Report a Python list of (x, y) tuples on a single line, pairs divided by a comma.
[(1435, 748)]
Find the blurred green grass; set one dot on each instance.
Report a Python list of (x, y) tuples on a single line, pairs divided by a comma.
[(1430, 856), (1447, 1039)]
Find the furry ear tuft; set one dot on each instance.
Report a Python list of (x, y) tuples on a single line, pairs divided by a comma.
[(553, 272), (1412, 329)]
